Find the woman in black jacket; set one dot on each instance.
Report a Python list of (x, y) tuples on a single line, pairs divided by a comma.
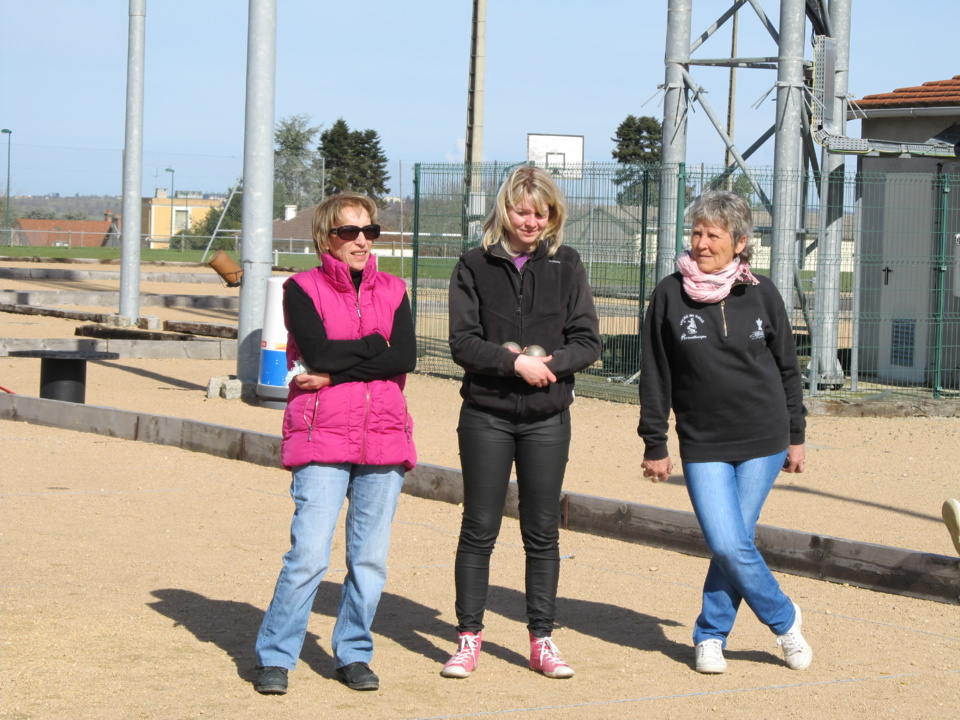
[(718, 350), (522, 287)]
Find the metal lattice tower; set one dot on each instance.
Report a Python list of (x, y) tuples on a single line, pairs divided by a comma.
[(794, 148)]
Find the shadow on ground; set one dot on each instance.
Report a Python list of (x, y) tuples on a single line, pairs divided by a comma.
[(232, 626)]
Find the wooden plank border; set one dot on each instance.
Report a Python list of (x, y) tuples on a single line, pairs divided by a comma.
[(875, 567)]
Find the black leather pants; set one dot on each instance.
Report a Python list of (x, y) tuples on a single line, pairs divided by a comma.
[(489, 445)]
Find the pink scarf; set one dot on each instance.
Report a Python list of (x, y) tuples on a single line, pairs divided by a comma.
[(712, 287)]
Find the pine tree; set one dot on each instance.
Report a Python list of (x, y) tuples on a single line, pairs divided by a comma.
[(639, 142), (337, 152), (294, 168), (354, 160)]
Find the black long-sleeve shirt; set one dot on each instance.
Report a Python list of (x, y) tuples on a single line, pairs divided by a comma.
[(369, 358)]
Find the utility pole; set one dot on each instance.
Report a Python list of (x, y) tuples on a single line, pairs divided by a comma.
[(132, 167), (473, 200)]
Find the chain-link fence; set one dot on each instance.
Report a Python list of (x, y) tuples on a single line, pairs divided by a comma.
[(610, 238), (875, 298), (872, 275)]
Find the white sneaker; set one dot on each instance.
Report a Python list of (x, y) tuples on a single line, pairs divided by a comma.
[(951, 518), (797, 653), (710, 657)]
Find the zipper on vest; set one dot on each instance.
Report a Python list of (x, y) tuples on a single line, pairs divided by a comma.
[(316, 402), (366, 417), (723, 313)]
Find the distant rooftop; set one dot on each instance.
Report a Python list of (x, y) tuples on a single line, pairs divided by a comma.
[(936, 93)]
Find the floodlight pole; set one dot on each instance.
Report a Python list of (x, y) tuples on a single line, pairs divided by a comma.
[(173, 174), (8, 133), (256, 238), (132, 166), (473, 202)]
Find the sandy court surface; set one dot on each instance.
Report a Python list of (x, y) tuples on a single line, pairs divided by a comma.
[(135, 576)]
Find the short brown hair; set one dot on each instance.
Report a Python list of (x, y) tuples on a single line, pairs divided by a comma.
[(327, 216)]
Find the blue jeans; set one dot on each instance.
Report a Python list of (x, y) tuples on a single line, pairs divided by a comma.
[(318, 491), (727, 498)]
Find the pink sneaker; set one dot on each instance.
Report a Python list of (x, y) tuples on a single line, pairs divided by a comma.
[(466, 659), (545, 658)]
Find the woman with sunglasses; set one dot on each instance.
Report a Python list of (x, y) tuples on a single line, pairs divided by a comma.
[(346, 436), (522, 286)]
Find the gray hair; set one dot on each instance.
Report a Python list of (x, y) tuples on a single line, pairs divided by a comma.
[(727, 210)]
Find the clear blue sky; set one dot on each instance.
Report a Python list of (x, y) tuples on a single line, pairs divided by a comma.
[(400, 68)]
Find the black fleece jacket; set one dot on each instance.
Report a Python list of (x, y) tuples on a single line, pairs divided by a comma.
[(728, 369), (548, 303)]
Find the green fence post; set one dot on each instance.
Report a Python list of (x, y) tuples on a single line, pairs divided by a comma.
[(414, 274), (681, 203), (940, 277), (642, 299)]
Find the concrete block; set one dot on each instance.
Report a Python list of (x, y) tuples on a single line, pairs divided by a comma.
[(149, 322), (215, 386), (232, 389), (106, 421), (261, 449), (117, 321), (200, 349), (160, 430), (216, 440)]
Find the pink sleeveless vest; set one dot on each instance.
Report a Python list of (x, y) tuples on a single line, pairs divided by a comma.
[(357, 422)]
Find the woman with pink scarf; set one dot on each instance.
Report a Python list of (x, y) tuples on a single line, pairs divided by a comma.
[(719, 351)]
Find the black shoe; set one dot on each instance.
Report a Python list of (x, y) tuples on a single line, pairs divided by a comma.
[(358, 676), (271, 681)]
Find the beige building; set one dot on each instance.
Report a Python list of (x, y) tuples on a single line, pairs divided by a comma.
[(162, 217)]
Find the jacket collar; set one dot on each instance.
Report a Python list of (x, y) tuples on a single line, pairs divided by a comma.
[(500, 251), (337, 272)]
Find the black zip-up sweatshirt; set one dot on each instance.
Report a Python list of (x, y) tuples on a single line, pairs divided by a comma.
[(547, 303), (728, 369)]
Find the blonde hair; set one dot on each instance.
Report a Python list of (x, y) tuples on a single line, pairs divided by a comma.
[(327, 216), (532, 184)]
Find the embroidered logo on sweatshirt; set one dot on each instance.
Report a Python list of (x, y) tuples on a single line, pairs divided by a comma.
[(758, 334), (691, 327)]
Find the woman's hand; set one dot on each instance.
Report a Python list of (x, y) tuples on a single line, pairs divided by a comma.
[(796, 458), (312, 381), (534, 370), (657, 470)]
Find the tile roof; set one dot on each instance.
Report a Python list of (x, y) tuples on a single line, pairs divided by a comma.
[(300, 227), (85, 233), (936, 93)]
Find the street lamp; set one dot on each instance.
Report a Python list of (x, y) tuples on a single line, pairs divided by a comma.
[(8, 133), (172, 176)]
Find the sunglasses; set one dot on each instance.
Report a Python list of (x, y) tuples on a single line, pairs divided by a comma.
[(352, 232)]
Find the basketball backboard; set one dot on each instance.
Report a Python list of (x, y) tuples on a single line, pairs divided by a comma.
[(562, 155)]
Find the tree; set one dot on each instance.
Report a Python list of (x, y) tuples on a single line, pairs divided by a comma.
[(40, 214), (337, 153), (295, 164), (639, 142), (354, 160)]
